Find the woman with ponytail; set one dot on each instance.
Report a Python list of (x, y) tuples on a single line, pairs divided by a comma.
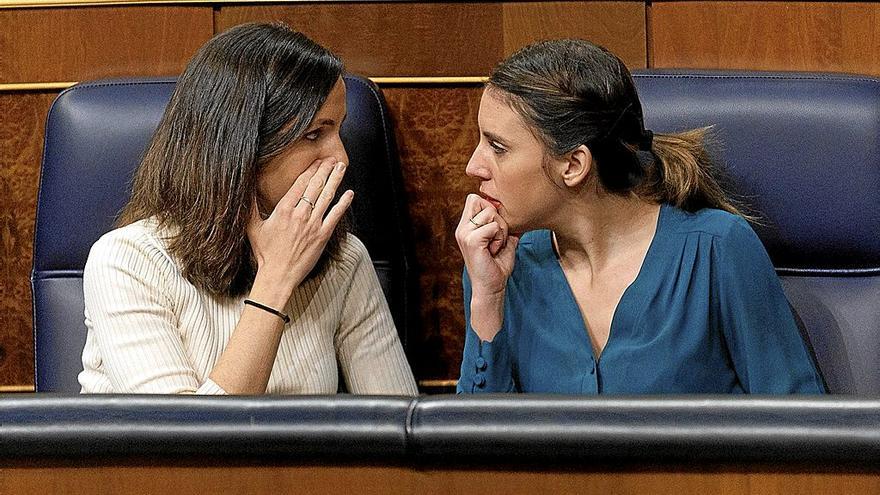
[(603, 258)]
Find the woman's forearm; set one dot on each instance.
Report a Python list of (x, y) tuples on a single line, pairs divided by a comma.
[(246, 362)]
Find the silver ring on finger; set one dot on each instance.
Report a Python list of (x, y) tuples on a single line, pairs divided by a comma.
[(308, 201), (476, 224)]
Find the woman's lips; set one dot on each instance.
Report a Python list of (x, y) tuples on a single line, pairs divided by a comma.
[(495, 202)]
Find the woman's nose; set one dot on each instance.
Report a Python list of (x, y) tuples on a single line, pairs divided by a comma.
[(476, 166), (338, 150)]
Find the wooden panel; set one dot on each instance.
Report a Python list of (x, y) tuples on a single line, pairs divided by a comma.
[(449, 39), (436, 130), (816, 36), (619, 26), (391, 39), (401, 480), (21, 142), (40, 45)]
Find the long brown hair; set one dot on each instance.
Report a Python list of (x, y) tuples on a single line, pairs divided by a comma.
[(246, 95), (573, 92)]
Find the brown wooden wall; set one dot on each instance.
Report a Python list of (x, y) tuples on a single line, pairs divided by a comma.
[(435, 124), (185, 477)]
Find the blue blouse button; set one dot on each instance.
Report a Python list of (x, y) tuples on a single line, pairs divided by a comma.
[(479, 380), (481, 364), (593, 370)]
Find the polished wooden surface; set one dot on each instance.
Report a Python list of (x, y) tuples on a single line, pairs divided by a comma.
[(813, 36), (89, 43), (619, 26), (390, 39), (449, 39), (345, 480), (22, 117), (436, 130)]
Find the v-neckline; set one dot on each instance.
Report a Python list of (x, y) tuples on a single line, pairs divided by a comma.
[(624, 297)]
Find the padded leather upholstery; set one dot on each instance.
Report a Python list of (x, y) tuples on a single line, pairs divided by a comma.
[(95, 136), (804, 151), (522, 429), (336, 427), (534, 432)]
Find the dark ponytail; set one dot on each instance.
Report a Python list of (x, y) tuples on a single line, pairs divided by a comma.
[(685, 174)]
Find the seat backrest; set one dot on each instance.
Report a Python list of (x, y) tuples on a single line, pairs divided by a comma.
[(96, 134), (803, 150)]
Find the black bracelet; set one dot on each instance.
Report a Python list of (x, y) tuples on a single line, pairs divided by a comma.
[(270, 310)]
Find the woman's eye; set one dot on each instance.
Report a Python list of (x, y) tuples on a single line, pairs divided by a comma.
[(312, 136), (497, 148)]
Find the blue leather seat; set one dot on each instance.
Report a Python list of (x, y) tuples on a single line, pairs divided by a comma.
[(803, 150), (95, 136)]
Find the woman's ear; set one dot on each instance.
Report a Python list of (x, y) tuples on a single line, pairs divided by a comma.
[(576, 166)]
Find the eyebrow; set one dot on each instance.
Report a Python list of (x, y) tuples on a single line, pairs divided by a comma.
[(494, 137), (324, 122)]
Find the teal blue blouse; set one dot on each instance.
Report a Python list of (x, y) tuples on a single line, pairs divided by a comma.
[(706, 314)]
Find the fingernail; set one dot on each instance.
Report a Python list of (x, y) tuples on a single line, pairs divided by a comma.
[(340, 167)]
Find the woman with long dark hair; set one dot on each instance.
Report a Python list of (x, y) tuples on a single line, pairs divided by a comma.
[(603, 258), (230, 271)]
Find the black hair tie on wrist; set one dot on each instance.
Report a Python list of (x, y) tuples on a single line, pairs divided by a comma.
[(268, 309)]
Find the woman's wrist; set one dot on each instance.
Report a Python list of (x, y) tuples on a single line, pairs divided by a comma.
[(271, 290), (487, 315)]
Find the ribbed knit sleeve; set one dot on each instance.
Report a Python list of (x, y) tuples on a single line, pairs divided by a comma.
[(368, 348), (130, 318)]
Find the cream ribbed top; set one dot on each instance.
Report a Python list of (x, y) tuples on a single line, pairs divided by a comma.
[(151, 331)]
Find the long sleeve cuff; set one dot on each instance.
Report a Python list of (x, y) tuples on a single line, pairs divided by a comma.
[(486, 366), (210, 388)]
